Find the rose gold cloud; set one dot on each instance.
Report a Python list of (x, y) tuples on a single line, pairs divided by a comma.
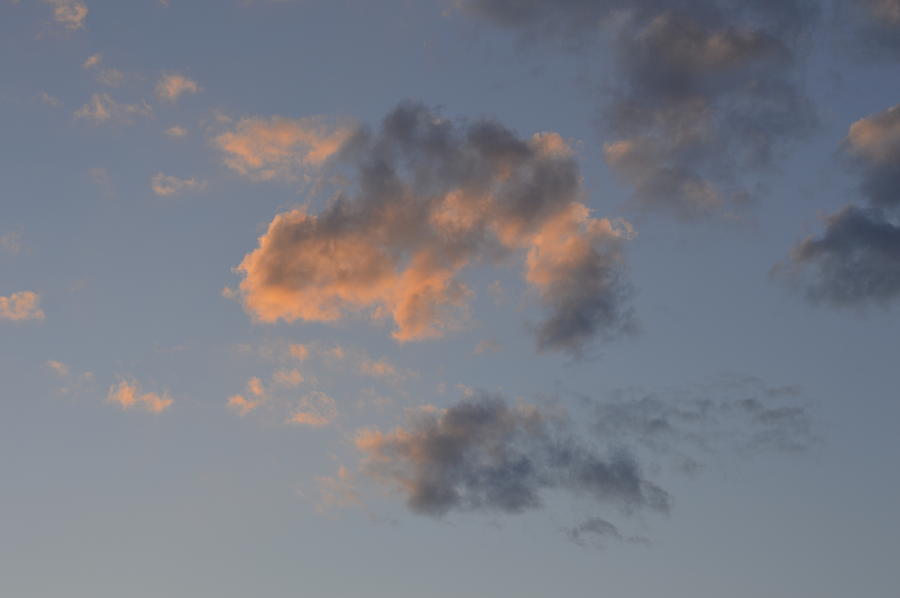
[(171, 86), (71, 14), (128, 396), (401, 259), (278, 148), (21, 306)]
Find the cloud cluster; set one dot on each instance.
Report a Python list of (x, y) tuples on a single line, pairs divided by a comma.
[(102, 108), (705, 91), (856, 261), (71, 14), (127, 395), (485, 454), (21, 306), (429, 197)]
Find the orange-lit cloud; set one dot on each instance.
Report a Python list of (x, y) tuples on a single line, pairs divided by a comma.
[(431, 208), (71, 14), (127, 395), (21, 306), (279, 148), (102, 108), (171, 86)]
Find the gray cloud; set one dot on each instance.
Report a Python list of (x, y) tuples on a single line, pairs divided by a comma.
[(706, 90), (856, 260), (430, 196), (485, 454), (686, 425)]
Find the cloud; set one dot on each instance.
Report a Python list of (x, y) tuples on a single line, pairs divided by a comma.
[(299, 352), (485, 454), (686, 424), (58, 367), (705, 93), (127, 395), (280, 148), (176, 132), (102, 108), (92, 61), (338, 491), (243, 405), (11, 242), (432, 196), (877, 27), (856, 260), (71, 14), (288, 378), (165, 185), (171, 86), (49, 100), (315, 409), (487, 346), (21, 306)]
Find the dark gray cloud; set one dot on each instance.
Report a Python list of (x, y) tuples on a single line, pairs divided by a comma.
[(428, 197), (856, 260), (875, 25), (705, 92), (485, 454)]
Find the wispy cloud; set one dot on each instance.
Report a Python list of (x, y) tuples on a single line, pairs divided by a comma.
[(165, 185), (281, 148), (71, 14), (102, 108), (171, 86)]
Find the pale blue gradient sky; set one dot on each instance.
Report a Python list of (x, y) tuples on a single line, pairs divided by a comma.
[(196, 501)]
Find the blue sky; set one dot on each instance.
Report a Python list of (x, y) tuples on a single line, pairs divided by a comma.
[(436, 298)]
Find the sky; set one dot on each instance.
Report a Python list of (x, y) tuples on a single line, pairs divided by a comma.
[(449, 297)]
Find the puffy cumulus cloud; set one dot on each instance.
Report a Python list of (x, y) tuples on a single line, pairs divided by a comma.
[(165, 185), (21, 306), (706, 92), (485, 454), (71, 14), (127, 395), (58, 368), (431, 196), (171, 86), (281, 148), (856, 260), (102, 108)]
